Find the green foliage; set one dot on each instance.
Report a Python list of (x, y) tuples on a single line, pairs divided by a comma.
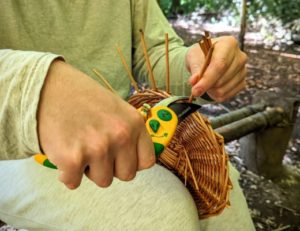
[(187, 6), (286, 10)]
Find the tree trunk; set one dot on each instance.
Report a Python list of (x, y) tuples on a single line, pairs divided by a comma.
[(243, 24), (175, 6)]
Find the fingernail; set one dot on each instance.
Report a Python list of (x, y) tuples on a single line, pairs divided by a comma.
[(71, 186)]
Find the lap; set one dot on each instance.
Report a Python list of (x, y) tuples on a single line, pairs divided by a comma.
[(32, 197)]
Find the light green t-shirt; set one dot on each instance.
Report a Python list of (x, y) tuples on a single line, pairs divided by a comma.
[(85, 33)]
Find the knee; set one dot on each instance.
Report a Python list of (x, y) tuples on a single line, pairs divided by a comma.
[(173, 205)]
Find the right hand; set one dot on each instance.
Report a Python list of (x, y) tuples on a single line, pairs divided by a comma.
[(85, 129)]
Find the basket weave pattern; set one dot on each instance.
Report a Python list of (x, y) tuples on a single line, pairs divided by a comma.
[(196, 155)]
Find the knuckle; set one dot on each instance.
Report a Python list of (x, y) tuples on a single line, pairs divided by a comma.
[(194, 67), (75, 161), (99, 146), (219, 83), (123, 134), (232, 40), (128, 176), (219, 93), (137, 118), (94, 141), (219, 97)]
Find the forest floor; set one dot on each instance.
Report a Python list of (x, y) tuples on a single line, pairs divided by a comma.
[(273, 204)]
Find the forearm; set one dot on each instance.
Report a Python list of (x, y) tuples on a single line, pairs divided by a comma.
[(22, 75), (148, 17)]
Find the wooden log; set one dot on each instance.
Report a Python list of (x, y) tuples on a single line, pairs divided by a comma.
[(247, 125), (263, 150), (233, 116)]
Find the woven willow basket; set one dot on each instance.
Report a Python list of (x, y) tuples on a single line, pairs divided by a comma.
[(196, 155)]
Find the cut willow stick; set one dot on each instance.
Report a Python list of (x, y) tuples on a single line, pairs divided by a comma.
[(167, 64), (131, 78), (203, 69), (106, 83), (203, 47), (208, 39), (148, 61), (191, 169)]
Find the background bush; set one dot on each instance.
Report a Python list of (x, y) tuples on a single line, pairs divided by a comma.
[(285, 10)]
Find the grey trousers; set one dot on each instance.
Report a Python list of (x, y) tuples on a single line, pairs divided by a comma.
[(31, 197)]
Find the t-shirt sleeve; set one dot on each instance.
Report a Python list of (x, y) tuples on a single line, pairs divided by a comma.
[(22, 74), (147, 15)]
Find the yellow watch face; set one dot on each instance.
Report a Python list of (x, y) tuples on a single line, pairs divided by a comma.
[(161, 126)]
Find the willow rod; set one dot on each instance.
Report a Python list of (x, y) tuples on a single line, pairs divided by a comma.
[(203, 69), (203, 47), (106, 83), (207, 39), (148, 60), (167, 64), (191, 169), (132, 80)]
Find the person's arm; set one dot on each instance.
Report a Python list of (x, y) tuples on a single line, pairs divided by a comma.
[(22, 75), (82, 127), (86, 129), (225, 76), (147, 15)]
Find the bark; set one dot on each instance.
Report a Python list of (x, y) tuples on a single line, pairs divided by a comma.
[(236, 115), (243, 24), (245, 126)]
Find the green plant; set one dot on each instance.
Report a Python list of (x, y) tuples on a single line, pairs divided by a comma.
[(285, 10)]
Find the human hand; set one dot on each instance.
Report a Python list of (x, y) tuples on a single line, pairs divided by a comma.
[(85, 129), (226, 73)]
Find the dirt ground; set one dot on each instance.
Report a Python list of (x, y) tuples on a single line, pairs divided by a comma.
[(273, 204)]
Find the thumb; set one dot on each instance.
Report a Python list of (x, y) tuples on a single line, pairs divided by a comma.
[(194, 59), (145, 151)]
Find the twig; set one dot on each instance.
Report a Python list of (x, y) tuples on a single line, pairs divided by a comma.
[(208, 39), (104, 80), (131, 78), (282, 228), (185, 173), (167, 64), (191, 169), (148, 60), (204, 67), (288, 209), (203, 47)]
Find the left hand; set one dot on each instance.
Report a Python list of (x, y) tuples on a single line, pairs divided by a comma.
[(226, 73)]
